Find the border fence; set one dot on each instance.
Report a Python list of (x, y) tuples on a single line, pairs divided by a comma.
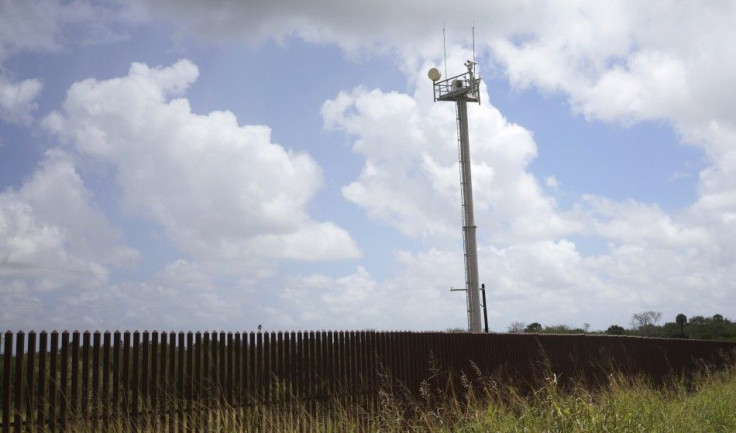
[(51, 378)]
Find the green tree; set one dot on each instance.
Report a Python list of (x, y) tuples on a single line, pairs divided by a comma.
[(681, 320), (615, 330), (533, 328)]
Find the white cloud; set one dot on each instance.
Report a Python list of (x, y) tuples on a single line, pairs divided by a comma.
[(417, 298), (552, 182), (218, 189), (621, 62), (18, 99), (51, 220), (52, 238), (49, 25), (410, 179)]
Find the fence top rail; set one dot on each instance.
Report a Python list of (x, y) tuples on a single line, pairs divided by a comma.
[(275, 332)]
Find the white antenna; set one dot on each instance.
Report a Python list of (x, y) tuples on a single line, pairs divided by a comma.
[(473, 41), (444, 46)]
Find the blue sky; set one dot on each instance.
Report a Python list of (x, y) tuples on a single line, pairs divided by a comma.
[(189, 165)]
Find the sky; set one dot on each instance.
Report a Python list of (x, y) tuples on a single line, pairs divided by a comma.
[(192, 165)]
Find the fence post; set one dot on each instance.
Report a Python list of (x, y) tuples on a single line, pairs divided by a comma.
[(180, 382), (106, 401), (134, 384), (206, 388), (63, 380), (197, 381), (155, 391), (30, 373), (95, 394), (164, 402), (172, 382), (42, 349), (252, 386), (7, 359), (145, 378), (230, 370), (190, 381), (86, 343)]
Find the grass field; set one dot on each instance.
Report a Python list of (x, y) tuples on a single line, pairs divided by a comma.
[(704, 404)]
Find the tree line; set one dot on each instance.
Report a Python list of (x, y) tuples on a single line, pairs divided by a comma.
[(647, 324)]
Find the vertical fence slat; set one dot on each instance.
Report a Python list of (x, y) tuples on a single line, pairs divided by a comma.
[(30, 391), (308, 344), (215, 383), (125, 379), (206, 381), (252, 389), (364, 374), (321, 367), (63, 380), (172, 383), (362, 370), (237, 373), (266, 377), (197, 380), (164, 400), (341, 361), (135, 381), (95, 387), (117, 377), (258, 371), (301, 368), (351, 364), (267, 367), (154, 382), (53, 381), (372, 365), (180, 383), (74, 397), (329, 365), (18, 385), (114, 349), (40, 406), (144, 393), (288, 375), (7, 359), (84, 396), (222, 378), (106, 368), (190, 381), (229, 369)]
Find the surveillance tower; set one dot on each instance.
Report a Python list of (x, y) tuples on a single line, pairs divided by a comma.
[(462, 89)]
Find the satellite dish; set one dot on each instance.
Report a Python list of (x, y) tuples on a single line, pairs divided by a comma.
[(434, 74)]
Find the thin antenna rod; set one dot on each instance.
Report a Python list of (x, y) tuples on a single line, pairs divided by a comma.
[(444, 46), (473, 41)]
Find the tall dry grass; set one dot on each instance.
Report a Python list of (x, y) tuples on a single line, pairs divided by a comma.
[(485, 403)]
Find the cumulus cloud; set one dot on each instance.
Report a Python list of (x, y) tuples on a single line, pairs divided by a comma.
[(18, 99), (416, 298), (53, 237), (410, 177), (50, 26), (52, 219), (218, 189), (622, 62)]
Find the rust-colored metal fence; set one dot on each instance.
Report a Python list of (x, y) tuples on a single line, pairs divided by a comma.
[(50, 378)]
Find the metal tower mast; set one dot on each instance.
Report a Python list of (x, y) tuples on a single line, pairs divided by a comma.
[(462, 89)]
